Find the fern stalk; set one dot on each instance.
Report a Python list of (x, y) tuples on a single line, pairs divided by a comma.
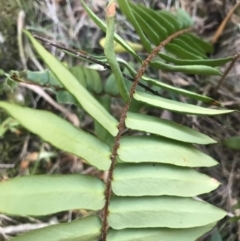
[(121, 125)]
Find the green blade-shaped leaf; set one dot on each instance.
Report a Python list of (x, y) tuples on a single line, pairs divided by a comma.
[(165, 211), (193, 46), (125, 8), (78, 72), (155, 30), (148, 30), (166, 128), (187, 46), (160, 179), (189, 69), (184, 17), (88, 102), (45, 77), (87, 229), (103, 27), (163, 27), (180, 91), (178, 25), (180, 52), (208, 62), (156, 234), (61, 134), (43, 194), (176, 106), (206, 46), (94, 82), (64, 97), (134, 149)]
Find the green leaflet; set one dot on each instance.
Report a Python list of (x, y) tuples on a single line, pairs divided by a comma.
[(163, 26), (148, 30), (100, 132), (93, 80), (189, 69), (188, 47), (45, 194), (180, 52), (86, 229), (178, 25), (78, 72), (164, 211), (45, 77), (166, 128), (64, 97), (61, 134), (125, 8), (184, 18), (162, 85), (180, 91), (156, 234), (134, 149), (160, 179), (176, 106), (206, 46), (208, 62), (88, 102), (103, 27), (110, 54)]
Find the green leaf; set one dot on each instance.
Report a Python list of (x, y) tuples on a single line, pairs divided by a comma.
[(148, 30), (110, 86), (109, 51), (94, 82), (86, 229), (206, 46), (208, 62), (45, 77), (188, 47), (134, 149), (180, 51), (103, 27), (45, 194), (100, 132), (160, 179), (184, 17), (183, 92), (178, 25), (176, 106), (186, 38), (64, 97), (156, 234), (189, 69), (166, 128), (125, 8), (216, 236), (78, 72), (165, 211), (156, 32), (232, 142), (88, 102), (161, 25), (61, 134)]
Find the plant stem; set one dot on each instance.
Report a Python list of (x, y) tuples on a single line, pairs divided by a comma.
[(121, 126)]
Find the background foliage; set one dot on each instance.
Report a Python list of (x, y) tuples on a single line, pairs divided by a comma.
[(126, 152)]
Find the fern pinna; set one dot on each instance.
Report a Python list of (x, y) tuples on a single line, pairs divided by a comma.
[(151, 184)]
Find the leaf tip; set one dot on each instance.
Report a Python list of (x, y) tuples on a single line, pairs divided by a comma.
[(111, 9)]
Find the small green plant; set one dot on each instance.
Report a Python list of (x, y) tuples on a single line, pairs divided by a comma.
[(151, 184)]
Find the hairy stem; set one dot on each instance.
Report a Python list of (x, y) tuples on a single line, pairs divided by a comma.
[(121, 126)]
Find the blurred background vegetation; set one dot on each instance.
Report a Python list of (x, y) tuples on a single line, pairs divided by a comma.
[(65, 21)]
